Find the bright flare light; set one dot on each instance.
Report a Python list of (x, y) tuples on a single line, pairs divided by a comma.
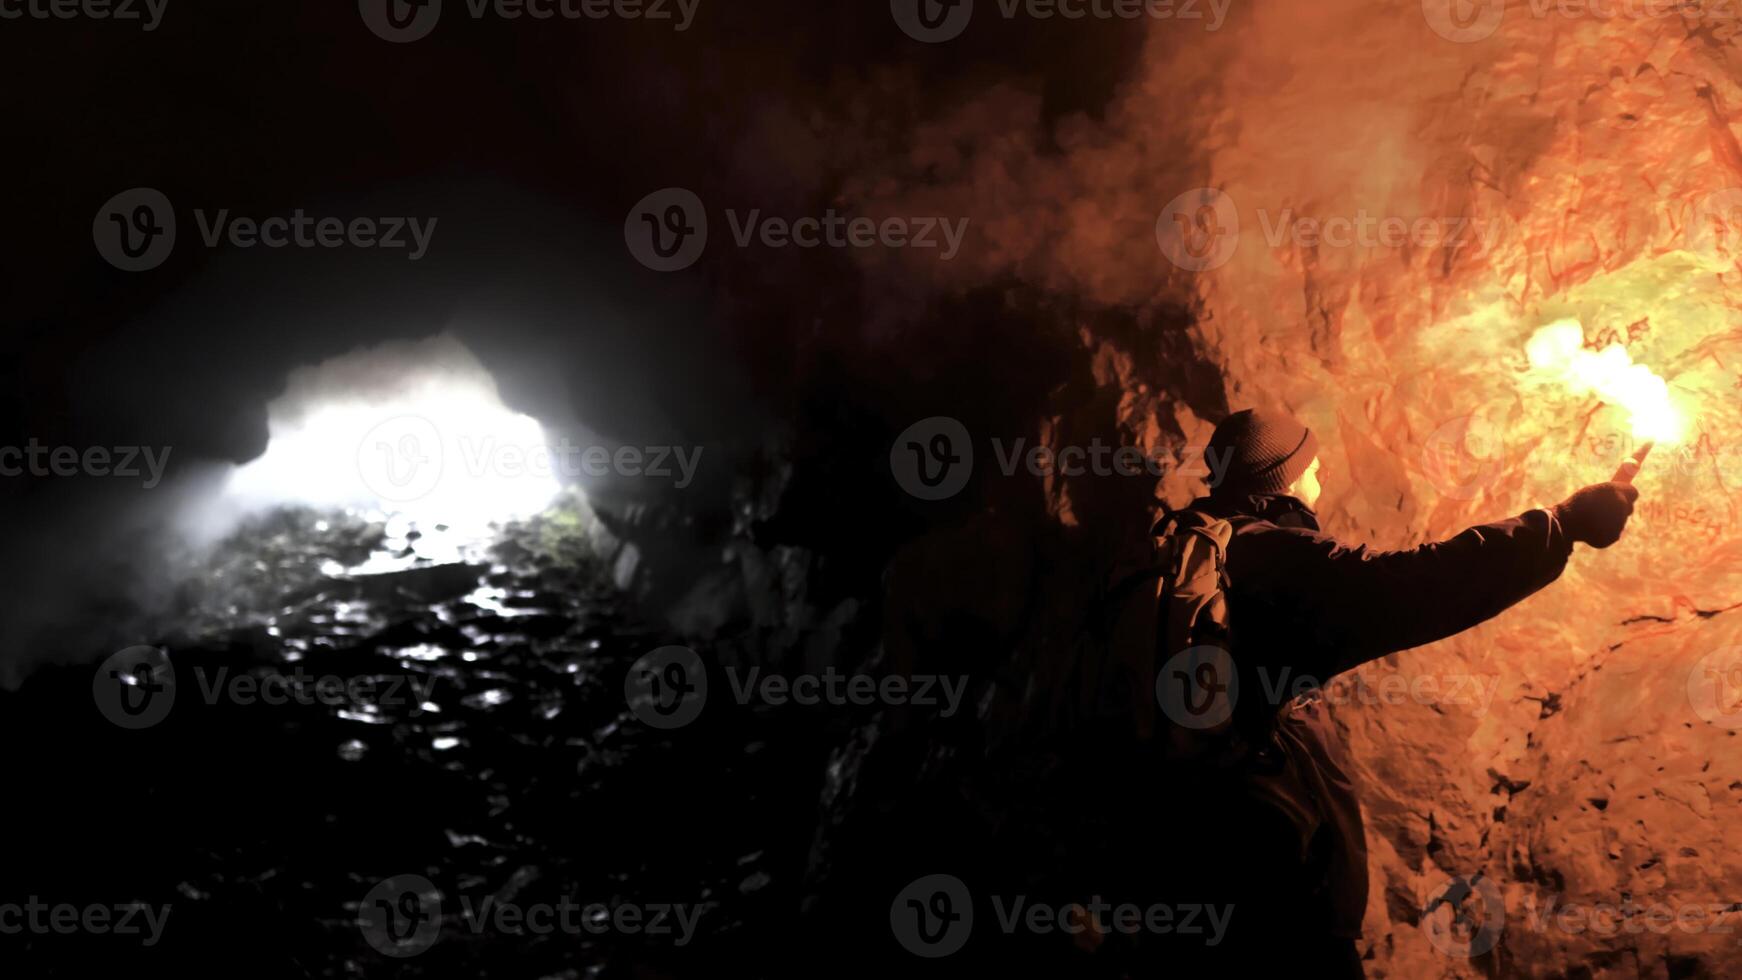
[(1558, 350)]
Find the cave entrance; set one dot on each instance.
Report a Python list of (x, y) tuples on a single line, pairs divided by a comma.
[(414, 434)]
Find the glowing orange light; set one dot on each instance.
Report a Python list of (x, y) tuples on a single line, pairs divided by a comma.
[(1558, 350)]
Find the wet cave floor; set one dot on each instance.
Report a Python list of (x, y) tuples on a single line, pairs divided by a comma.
[(472, 730)]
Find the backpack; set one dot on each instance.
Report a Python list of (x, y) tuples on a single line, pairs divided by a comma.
[(1167, 645), (1168, 655)]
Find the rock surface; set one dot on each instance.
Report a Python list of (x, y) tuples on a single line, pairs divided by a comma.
[(1556, 161)]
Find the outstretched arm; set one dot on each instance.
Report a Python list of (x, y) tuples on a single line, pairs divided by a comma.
[(1351, 605)]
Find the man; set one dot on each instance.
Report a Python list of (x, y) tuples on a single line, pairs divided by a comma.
[(1302, 605)]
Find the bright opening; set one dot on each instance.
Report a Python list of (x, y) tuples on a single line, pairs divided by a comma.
[(409, 431)]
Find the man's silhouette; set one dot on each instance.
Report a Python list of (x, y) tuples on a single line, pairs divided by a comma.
[(1280, 834)]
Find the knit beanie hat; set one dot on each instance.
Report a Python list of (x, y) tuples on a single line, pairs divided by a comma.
[(1262, 452)]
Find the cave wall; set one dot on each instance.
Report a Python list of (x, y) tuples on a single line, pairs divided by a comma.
[(1571, 160), (1581, 160), (1593, 159)]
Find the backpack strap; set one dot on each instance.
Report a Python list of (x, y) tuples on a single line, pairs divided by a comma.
[(1193, 547), (1192, 612), (1160, 600)]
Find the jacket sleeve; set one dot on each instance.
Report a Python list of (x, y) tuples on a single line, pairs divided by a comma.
[(1339, 607)]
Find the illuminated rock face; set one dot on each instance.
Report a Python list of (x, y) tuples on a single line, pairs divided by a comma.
[(1580, 750), (1414, 195)]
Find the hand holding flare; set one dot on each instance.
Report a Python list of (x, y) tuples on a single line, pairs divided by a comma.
[(1630, 466)]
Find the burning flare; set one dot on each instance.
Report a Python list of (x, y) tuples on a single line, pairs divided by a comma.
[(1558, 351)]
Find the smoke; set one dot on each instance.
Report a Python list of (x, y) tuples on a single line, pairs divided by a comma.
[(96, 567), (1369, 208)]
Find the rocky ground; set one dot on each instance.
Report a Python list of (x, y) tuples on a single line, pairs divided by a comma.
[(494, 755)]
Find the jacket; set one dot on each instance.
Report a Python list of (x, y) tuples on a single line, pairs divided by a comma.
[(1303, 608)]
